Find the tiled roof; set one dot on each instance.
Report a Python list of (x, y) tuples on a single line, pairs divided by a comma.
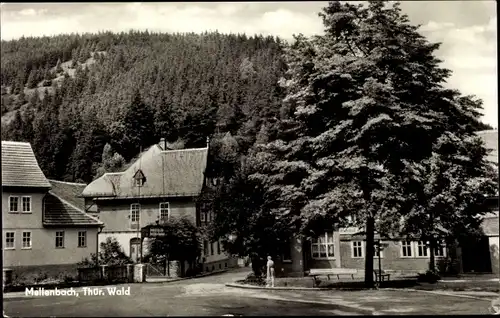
[(20, 167), (167, 173), (59, 212), (490, 138), (69, 192), (490, 224)]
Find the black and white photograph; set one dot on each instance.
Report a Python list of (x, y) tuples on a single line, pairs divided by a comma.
[(239, 159)]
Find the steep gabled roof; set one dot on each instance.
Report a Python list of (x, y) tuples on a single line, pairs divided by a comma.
[(490, 224), (20, 167), (69, 191), (59, 212), (168, 173)]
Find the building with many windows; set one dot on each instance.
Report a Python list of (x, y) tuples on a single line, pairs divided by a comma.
[(44, 227), (160, 184), (345, 248)]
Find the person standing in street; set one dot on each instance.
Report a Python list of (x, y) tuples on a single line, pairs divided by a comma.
[(270, 272)]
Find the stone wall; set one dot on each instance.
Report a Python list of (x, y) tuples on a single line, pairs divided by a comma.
[(27, 273), (174, 269), (494, 254)]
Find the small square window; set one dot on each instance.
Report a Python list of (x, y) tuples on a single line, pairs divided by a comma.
[(26, 204), (13, 204), (60, 239), (27, 240), (422, 249), (135, 209), (323, 247), (82, 239), (406, 249), (139, 178), (357, 249), (440, 250), (164, 210), (10, 240)]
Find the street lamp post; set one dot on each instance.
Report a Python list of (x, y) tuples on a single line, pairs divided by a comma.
[(379, 247)]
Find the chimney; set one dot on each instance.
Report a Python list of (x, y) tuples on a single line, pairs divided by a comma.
[(163, 143)]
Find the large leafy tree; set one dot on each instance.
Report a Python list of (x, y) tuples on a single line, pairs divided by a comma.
[(181, 242), (364, 106), (455, 181), (243, 225), (110, 253)]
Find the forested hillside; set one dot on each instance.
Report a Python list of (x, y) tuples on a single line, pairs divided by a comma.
[(70, 95)]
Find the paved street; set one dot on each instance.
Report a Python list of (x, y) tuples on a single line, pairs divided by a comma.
[(205, 296), (208, 296)]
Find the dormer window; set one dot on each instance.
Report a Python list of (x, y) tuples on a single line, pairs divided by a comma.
[(139, 178)]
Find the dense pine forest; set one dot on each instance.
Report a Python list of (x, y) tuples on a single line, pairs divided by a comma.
[(88, 103)]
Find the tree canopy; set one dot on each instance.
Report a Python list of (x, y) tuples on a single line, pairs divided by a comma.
[(182, 241), (364, 115)]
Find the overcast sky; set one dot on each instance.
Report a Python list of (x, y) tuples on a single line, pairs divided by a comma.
[(466, 28)]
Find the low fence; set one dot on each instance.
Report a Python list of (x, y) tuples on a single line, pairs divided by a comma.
[(155, 269), (122, 273), (89, 274)]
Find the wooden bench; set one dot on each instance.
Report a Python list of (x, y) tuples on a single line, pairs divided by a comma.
[(314, 273), (381, 275)]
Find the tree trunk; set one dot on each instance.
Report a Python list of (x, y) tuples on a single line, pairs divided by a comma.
[(432, 260), (370, 240), (168, 267), (256, 266), (183, 267), (432, 243)]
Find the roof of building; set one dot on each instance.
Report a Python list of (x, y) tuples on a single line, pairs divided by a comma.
[(166, 172), (20, 167), (70, 192), (490, 138), (59, 212), (490, 224)]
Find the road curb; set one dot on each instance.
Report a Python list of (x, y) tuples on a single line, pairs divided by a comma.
[(244, 286), (186, 278), (467, 280), (436, 292)]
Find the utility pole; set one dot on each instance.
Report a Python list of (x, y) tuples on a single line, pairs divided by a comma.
[(139, 236), (379, 248)]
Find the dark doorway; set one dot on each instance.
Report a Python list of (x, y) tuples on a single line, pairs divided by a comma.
[(476, 255)]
